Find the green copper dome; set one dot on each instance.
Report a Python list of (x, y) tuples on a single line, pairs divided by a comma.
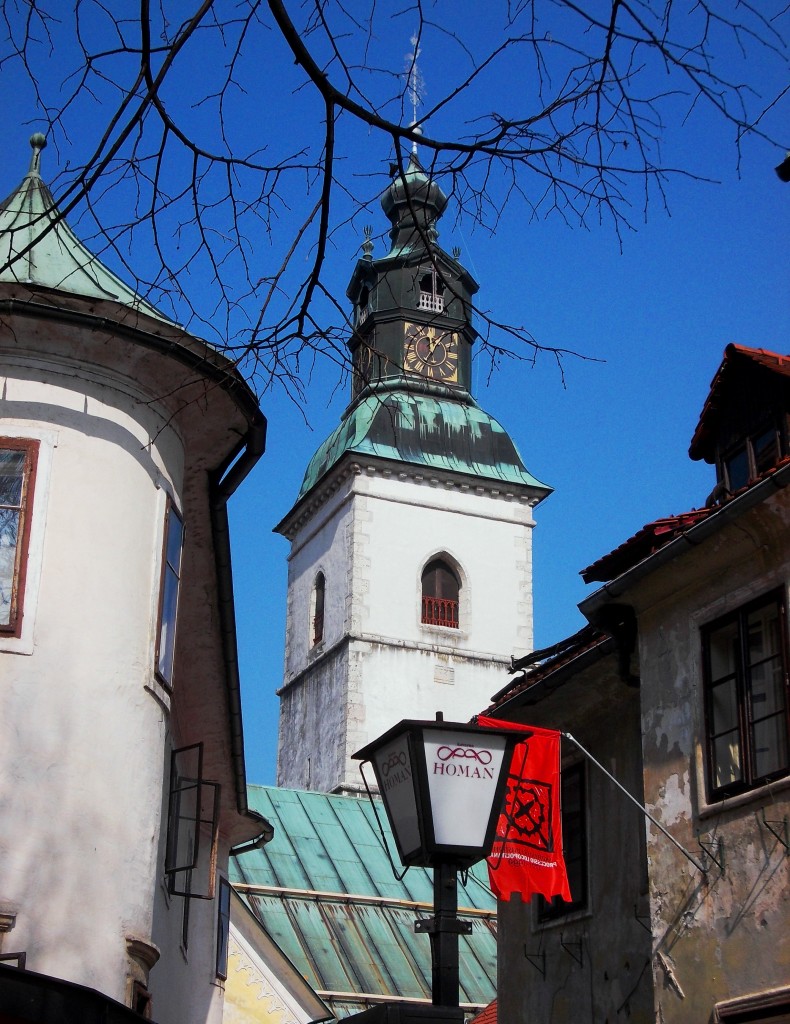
[(422, 430)]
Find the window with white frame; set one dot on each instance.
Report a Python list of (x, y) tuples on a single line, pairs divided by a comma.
[(168, 598), (431, 291), (745, 669), (18, 460)]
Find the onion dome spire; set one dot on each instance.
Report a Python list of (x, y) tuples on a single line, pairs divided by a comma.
[(413, 203)]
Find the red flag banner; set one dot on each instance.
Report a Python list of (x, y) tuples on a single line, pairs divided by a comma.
[(527, 854)]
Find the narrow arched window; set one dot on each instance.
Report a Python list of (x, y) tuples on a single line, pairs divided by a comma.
[(440, 594), (319, 590)]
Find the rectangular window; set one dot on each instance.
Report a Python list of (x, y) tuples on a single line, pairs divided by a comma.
[(223, 927), (574, 844), (746, 697), (192, 827), (753, 456), (18, 460), (171, 583)]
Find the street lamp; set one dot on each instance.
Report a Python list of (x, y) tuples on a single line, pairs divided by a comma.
[(443, 786)]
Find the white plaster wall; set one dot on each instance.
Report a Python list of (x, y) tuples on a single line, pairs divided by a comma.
[(401, 524), (184, 986), (323, 546), (393, 681), (81, 738)]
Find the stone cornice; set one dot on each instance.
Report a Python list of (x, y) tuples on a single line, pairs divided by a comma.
[(351, 466)]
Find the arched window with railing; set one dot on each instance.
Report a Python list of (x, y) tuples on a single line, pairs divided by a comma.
[(431, 291), (317, 609), (441, 591)]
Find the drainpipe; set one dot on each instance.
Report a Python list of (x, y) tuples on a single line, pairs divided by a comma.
[(223, 482)]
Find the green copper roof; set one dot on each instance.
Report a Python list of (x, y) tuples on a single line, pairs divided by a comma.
[(325, 892), (37, 247), (422, 430)]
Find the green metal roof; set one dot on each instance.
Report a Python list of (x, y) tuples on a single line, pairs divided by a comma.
[(325, 892), (422, 430), (37, 246)]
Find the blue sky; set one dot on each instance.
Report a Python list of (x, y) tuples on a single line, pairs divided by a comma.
[(652, 312)]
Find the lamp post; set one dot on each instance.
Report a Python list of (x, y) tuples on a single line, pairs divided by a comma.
[(443, 785)]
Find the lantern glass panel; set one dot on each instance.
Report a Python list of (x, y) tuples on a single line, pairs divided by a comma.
[(395, 774), (463, 772)]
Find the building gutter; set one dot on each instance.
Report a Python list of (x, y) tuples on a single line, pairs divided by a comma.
[(223, 482), (542, 688), (617, 588)]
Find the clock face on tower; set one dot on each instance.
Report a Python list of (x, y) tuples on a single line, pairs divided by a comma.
[(431, 352)]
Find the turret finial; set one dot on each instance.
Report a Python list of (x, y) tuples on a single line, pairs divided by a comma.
[(37, 142), (367, 245)]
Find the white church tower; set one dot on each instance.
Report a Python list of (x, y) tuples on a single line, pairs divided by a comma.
[(410, 571)]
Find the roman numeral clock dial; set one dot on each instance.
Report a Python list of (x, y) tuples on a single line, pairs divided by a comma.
[(432, 353)]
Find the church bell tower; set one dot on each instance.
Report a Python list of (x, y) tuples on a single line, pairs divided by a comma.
[(410, 571)]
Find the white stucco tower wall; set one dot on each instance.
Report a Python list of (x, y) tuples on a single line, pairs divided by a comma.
[(410, 572), (370, 529)]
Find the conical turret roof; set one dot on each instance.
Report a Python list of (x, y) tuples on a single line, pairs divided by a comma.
[(37, 247)]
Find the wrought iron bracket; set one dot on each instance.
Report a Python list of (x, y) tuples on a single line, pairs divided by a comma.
[(707, 847), (569, 948), (437, 925), (538, 961), (778, 829), (641, 918)]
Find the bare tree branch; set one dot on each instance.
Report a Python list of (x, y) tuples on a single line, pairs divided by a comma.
[(235, 134)]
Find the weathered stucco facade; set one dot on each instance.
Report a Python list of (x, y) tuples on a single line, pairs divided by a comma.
[(690, 712), (724, 934), (593, 963)]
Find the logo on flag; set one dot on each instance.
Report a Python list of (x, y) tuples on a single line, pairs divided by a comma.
[(527, 817)]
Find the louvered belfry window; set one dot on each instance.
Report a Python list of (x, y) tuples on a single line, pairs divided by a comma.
[(440, 595)]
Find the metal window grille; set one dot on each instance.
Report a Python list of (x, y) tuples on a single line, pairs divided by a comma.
[(440, 611)]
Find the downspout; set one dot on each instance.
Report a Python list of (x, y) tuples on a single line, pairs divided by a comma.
[(223, 482)]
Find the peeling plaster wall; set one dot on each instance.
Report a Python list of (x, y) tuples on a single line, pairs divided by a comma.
[(725, 933), (378, 663)]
